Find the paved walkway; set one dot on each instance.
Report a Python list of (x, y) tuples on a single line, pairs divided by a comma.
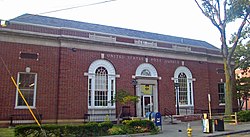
[(180, 130)]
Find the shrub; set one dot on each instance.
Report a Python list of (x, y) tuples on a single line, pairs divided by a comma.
[(88, 129), (117, 130), (104, 127), (244, 116), (140, 126)]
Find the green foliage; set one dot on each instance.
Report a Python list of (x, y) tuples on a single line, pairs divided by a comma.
[(241, 56), (88, 129), (123, 97), (234, 9), (133, 127), (243, 84), (139, 126), (243, 88), (244, 116), (220, 13), (104, 127), (117, 130), (237, 9)]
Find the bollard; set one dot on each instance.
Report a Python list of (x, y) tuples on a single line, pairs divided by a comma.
[(189, 130)]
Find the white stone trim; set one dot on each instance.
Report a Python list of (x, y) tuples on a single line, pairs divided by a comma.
[(183, 69), (102, 63), (190, 79), (80, 43), (147, 66), (111, 76), (17, 93)]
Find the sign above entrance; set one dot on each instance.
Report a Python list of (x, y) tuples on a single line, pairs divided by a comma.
[(146, 89)]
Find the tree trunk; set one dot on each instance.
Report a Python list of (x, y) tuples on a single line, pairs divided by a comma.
[(246, 102), (119, 115), (228, 91)]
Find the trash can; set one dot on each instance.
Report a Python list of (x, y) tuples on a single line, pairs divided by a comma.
[(219, 125), (207, 126)]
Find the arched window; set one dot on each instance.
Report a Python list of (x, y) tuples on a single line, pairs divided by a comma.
[(183, 97), (101, 87), (146, 69), (183, 76), (101, 84)]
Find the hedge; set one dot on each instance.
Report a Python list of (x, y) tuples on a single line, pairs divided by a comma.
[(81, 130), (140, 126), (244, 116), (86, 130)]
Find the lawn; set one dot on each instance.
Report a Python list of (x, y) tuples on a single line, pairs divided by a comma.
[(7, 132)]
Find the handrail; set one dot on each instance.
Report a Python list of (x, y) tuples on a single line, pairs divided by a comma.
[(196, 111), (169, 113)]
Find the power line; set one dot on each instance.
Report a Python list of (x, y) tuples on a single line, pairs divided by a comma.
[(97, 3), (4, 23)]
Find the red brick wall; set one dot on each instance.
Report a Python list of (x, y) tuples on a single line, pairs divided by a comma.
[(215, 78), (73, 83), (72, 103), (47, 73)]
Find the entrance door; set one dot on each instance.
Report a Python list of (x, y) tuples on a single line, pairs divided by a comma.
[(147, 104)]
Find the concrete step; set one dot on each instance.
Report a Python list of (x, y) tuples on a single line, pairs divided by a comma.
[(189, 117), (170, 120)]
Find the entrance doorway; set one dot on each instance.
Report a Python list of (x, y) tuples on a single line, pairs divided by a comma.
[(147, 104), (147, 91)]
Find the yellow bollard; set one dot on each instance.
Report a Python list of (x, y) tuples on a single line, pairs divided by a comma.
[(189, 131)]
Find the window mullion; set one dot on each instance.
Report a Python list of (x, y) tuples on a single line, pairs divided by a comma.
[(93, 92), (109, 91)]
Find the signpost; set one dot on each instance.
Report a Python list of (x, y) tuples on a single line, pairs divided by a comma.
[(209, 106)]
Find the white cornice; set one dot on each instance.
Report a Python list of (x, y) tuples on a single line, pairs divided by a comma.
[(115, 35), (54, 40)]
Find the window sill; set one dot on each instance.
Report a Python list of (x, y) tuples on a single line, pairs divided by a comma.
[(222, 104), (24, 107), (101, 107), (185, 106)]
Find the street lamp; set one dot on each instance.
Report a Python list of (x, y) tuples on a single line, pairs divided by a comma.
[(177, 85), (134, 83)]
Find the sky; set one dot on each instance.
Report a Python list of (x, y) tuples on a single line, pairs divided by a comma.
[(181, 18)]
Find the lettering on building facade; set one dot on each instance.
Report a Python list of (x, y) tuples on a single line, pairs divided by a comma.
[(138, 58)]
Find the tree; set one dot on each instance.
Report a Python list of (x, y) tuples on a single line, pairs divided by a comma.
[(242, 52), (220, 13), (123, 97), (243, 88)]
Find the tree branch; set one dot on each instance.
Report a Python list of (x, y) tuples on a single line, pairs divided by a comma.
[(211, 19), (237, 37), (218, 12), (241, 62), (225, 12)]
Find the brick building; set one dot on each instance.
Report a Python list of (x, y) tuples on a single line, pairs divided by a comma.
[(66, 69)]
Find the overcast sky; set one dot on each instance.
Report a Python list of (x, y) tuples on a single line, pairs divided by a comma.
[(180, 18)]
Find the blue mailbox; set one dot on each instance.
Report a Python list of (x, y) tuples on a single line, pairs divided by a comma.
[(158, 121)]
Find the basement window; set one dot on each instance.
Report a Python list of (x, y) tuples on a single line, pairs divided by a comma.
[(25, 55)]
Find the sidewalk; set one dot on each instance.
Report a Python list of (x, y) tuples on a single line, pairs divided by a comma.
[(180, 130)]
